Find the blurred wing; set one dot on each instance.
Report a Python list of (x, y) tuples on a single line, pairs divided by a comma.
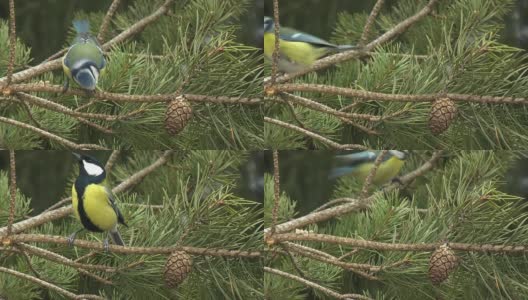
[(356, 158), (293, 35), (111, 201), (341, 171)]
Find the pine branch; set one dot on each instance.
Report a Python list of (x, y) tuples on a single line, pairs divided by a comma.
[(353, 54), (48, 66), (42, 238), (55, 213), (326, 214), (133, 98), (12, 42), (48, 285), (372, 245), (315, 285), (51, 136), (12, 191), (314, 135), (367, 95), (370, 21), (276, 190), (106, 21)]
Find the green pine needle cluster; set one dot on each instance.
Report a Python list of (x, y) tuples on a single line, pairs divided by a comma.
[(463, 200)]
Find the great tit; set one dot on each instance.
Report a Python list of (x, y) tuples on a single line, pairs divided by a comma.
[(93, 203), (297, 50), (84, 62), (360, 164)]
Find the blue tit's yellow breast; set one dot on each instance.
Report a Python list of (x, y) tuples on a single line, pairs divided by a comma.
[(65, 68), (387, 170), (97, 207), (298, 52)]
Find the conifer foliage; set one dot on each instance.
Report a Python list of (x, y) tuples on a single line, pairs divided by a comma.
[(386, 92), (156, 51), (447, 229)]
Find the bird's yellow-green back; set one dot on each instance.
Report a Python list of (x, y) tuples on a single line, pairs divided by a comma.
[(387, 170)]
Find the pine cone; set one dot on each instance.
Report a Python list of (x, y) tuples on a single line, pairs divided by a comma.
[(177, 268), (178, 114), (443, 112), (443, 261)]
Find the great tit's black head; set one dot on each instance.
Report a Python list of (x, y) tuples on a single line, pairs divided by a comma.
[(268, 24), (89, 166)]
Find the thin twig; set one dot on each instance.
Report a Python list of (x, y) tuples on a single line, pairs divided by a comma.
[(51, 136), (44, 283), (314, 285), (111, 160), (343, 209), (327, 109), (380, 246), (30, 115), (367, 95), (106, 21), (276, 190), (82, 268), (55, 214), (217, 252), (372, 173), (353, 54), (56, 63), (315, 136), (12, 191), (44, 103), (12, 41), (353, 267), (335, 202), (123, 97), (373, 14), (28, 261), (294, 262), (275, 56)]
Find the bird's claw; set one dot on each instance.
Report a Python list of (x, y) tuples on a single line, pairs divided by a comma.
[(71, 239), (65, 87), (397, 180), (106, 245)]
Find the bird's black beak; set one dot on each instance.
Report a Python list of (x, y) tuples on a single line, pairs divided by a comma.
[(78, 156)]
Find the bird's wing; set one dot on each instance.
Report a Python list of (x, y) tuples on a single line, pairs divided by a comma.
[(293, 35), (356, 158), (338, 172), (112, 203)]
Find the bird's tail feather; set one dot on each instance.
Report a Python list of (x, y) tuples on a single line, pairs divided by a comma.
[(81, 26), (346, 47), (116, 237), (338, 172)]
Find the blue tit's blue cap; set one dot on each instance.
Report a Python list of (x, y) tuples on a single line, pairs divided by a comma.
[(85, 79)]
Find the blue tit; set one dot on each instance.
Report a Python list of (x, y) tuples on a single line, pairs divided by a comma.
[(93, 203), (360, 164), (297, 50), (84, 62)]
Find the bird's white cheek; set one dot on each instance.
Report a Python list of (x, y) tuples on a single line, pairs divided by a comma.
[(92, 169)]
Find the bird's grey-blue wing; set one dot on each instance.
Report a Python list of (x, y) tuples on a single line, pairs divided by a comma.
[(112, 203), (291, 35)]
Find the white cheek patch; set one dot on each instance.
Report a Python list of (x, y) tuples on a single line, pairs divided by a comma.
[(398, 154), (92, 169), (95, 73)]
